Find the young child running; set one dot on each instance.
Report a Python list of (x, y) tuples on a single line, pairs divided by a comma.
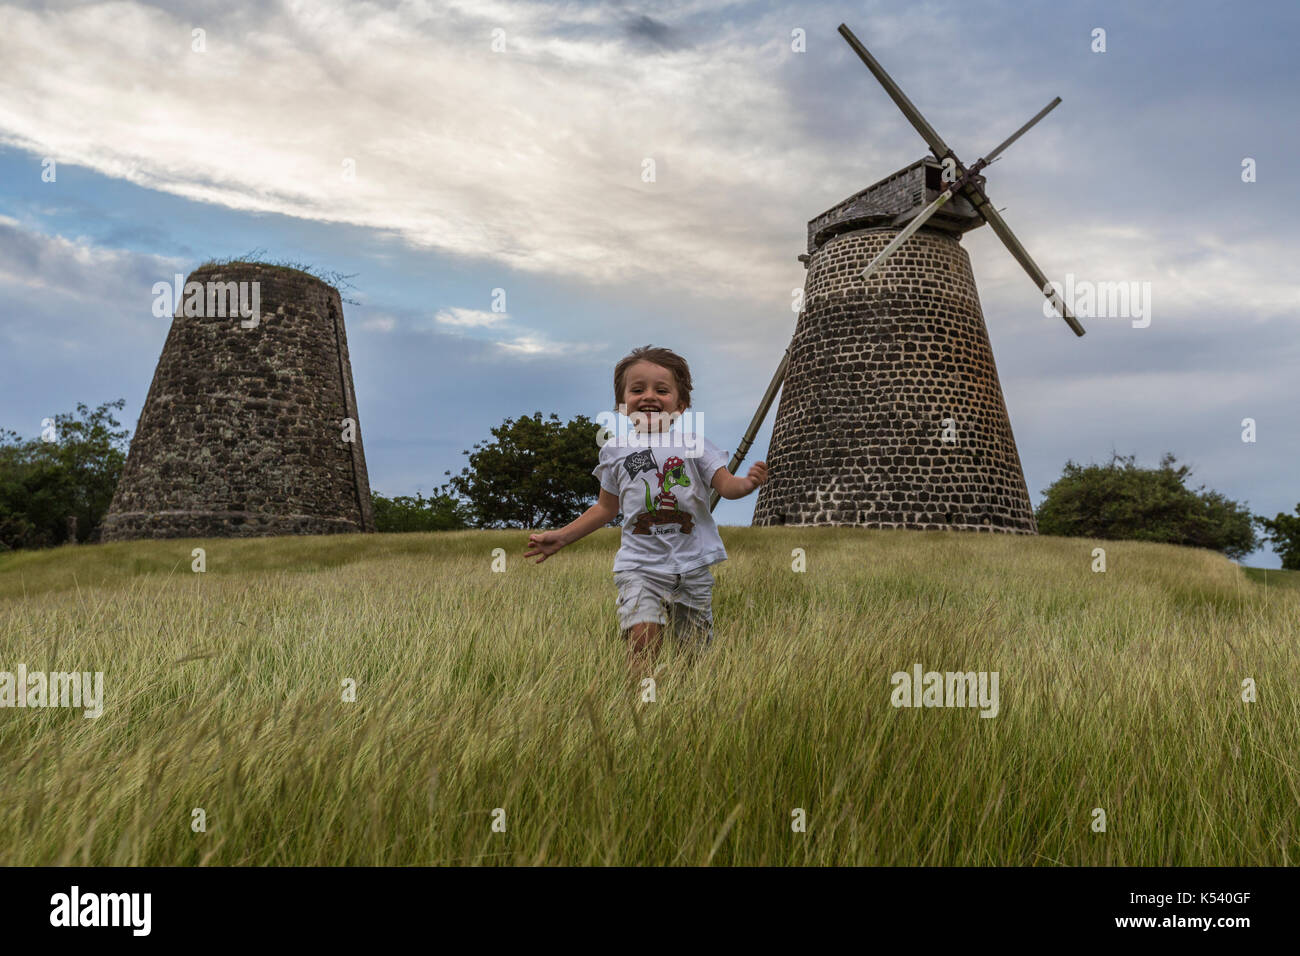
[(660, 481)]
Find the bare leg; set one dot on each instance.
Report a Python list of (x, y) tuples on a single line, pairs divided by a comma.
[(643, 643)]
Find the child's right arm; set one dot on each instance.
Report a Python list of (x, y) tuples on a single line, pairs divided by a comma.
[(598, 515)]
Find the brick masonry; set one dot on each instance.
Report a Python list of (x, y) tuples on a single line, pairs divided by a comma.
[(241, 433), (875, 368)]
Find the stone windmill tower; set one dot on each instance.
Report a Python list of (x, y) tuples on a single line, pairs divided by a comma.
[(892, 414), (245, 429)]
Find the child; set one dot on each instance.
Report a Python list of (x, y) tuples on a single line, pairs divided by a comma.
[(660, 482)]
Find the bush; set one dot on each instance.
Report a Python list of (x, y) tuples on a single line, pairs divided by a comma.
[(440, 513), (43, 482), (1122, 501), (1284, 533), (537, 474)]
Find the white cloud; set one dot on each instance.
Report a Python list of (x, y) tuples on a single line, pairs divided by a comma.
[(461, 322), (534, 346), (531, 158), (529, 345), (1188, 273), (76, 319), (75, 268), (469, 318)]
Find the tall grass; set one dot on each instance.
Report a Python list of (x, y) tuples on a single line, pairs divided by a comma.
[(479, 690)]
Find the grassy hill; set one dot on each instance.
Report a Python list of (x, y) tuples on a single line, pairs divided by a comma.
[(478, 690)]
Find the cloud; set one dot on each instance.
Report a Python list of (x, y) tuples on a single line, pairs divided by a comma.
[(58, 267), (529, 345), (652, 32), (534, 346), (520, 345), (469, 318), (531, 157), (1188, 272)]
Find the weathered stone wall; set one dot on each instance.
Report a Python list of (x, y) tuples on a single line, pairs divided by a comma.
[(875, 368), (241, 433)]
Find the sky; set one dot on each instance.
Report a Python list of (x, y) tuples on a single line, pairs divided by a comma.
[(436, 152)]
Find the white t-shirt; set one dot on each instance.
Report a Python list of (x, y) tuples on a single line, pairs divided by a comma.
[(664, 496)]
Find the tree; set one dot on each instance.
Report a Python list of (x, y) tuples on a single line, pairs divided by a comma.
[(536, 474), (43, 482), (442, 512), (1284, 534), (1122, 501)]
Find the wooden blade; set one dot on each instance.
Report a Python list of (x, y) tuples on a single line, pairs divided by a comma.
[(1021, 132), (917, 222), (932, 139), (999, 225), (756, 422)]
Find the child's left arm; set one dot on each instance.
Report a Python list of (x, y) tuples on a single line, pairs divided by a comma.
[(730, 486)]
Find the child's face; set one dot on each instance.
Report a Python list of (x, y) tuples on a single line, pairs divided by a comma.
[(652, 390)]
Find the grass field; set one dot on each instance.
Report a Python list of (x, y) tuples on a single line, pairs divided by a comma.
[(478, 690)]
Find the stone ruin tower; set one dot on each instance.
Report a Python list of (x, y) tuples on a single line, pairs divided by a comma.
[(242, 431), (891, 414)]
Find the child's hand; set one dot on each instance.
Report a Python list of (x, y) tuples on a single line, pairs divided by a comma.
[(545, 544), (757, 475)]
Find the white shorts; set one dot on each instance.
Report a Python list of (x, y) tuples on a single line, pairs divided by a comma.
[(683, 600)]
